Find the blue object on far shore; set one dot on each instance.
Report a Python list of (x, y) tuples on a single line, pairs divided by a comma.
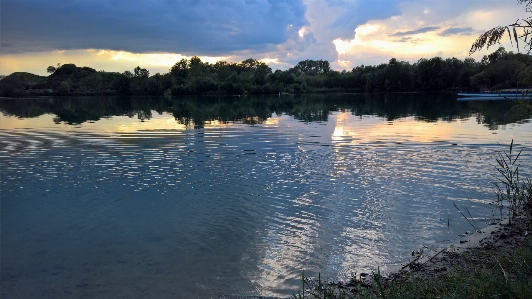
[(491, 96)]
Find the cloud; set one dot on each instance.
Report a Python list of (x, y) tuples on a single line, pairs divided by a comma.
[(283, 32), (404, 39), (417, 31), (331, 20), (456, 31), (354, 13), (202, 27), (424, 29)]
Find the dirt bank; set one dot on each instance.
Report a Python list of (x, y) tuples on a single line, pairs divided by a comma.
[(429, 263)]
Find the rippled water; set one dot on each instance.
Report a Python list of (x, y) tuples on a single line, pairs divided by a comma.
[(127, 208)]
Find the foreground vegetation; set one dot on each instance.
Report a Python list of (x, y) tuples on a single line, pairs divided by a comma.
[(485, 273), (496, 71), (500, 267)]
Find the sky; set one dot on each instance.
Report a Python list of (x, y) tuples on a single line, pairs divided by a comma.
[(118, 35)]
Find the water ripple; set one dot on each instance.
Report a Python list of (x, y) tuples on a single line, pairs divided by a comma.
[(228, 207)]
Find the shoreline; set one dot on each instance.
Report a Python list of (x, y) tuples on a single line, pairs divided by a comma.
[(500, 236), (442, 262)]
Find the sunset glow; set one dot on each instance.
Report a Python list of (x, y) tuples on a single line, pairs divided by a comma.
[(346, 33)]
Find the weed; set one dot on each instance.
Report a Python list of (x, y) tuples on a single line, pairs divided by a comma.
[(511, 191), (378, 281), (475, 274), (301, 293)]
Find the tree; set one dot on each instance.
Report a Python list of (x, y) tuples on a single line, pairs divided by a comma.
[(429, 74), (122, 83), (520, 30), (249, 63), (144, 73), (223, 72), (180, 69), (13, 86), (63, 89), (495, 56), (196, 68), (139, 82), (262, 70), (51, 69), (312, 67), (128, 74)]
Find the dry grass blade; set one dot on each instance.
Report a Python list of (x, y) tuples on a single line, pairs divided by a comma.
[(502, 269)]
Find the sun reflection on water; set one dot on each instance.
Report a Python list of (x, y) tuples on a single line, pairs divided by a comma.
[(241, 206)]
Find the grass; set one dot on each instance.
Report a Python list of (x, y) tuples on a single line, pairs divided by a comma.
[(484, 272), (512, 192), (475, 274)]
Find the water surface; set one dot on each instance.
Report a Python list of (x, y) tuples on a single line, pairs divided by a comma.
[(203, 197)]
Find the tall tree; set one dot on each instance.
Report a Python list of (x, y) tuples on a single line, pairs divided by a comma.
[(180, 69)]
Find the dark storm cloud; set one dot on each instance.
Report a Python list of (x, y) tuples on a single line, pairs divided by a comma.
[(417, 31), (202, 27), (456, 31)]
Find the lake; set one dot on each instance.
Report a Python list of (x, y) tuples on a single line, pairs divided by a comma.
[(205, 197)]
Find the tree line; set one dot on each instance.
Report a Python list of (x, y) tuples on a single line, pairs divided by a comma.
[(498, 70)]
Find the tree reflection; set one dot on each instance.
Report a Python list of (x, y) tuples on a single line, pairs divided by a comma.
[(196, 111)]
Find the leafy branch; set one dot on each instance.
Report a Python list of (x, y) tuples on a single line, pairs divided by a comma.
[(520, 30)]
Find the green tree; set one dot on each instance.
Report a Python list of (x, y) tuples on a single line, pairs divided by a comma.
[(262, 70), (139, 81), (180, 69), (468, 69), (398, 76), (122, 83), (312, 67), (138, 72), (196, 67), (249, 63), (13, 85), (495, 56), (154, 86), (223, 73), (63, 89), (429, 74)]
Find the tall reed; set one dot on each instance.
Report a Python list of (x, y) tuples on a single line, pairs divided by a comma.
[(512, 192)]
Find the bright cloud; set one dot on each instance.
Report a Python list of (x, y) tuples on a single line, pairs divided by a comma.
[(419, 32), (154, 34)]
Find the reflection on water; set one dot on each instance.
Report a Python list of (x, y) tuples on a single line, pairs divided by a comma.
[(141, 206), (195, 112)]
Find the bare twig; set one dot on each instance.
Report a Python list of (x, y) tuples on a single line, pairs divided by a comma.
[(444, 249), (414, 260)]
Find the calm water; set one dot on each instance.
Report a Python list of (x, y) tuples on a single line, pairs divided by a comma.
[(204, 197)]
